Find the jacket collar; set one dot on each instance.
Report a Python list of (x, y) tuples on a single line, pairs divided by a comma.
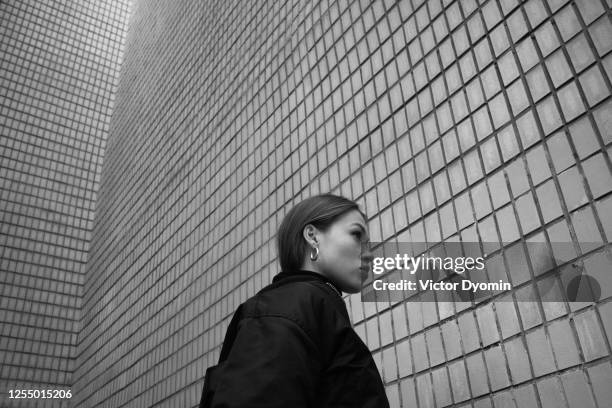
[(303, 275)]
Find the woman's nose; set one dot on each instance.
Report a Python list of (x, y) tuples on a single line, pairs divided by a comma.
[(366, 253)]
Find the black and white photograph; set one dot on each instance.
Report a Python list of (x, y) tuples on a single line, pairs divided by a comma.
[(306, 203)]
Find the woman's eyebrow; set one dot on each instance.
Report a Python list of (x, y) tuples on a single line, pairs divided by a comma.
[(360, 226)]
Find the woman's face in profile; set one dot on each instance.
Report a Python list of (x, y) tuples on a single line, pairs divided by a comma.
[(344, 254)]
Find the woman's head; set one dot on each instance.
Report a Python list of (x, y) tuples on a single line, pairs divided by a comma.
[(326, 234)]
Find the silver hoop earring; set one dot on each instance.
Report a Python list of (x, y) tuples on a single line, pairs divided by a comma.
[(314, 255)]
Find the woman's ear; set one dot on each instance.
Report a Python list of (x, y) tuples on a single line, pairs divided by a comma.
[(311, 235)]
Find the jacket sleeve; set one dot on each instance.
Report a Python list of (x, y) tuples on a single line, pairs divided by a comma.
[(272, 363)]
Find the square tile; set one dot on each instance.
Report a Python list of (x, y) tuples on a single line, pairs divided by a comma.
[(518, 97), (490, 155), (528, 130), (491, 14), (601, 33), (580, 53), (549, 201), (558, 68), (583, 137), (499, 190), (572, 188), (567, 22), (499, 40), (549, 115), (499, 112), (589, 10), (594, 86), (537, 83), (507, 68), (537, 164), (517, 25), (571, 101), (598, 175), (527, 54), (560, 152), (535, 12), (482, 53), (546, 38)]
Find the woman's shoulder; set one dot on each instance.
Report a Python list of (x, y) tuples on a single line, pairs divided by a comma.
[(305, 296), (311, 304)]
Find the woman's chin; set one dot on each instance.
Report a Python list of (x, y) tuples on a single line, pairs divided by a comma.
[(352, 287)]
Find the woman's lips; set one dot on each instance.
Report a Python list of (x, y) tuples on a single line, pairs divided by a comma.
[(365, 270)]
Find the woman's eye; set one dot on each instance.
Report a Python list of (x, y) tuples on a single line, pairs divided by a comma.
[(357, 234)]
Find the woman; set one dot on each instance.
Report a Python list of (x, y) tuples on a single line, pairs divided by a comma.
[(292, 344)]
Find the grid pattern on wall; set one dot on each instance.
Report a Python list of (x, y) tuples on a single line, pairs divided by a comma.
[(59, 64), (483, 120)]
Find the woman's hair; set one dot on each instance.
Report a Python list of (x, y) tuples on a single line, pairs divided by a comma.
[(320, 211)]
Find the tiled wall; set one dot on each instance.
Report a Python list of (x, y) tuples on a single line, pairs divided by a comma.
[(58, 69), (483, 120)]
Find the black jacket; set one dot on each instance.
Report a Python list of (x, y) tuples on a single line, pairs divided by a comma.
[(295, 347)]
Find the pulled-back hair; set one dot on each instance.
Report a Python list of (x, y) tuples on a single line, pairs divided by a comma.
[(321, 211)]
